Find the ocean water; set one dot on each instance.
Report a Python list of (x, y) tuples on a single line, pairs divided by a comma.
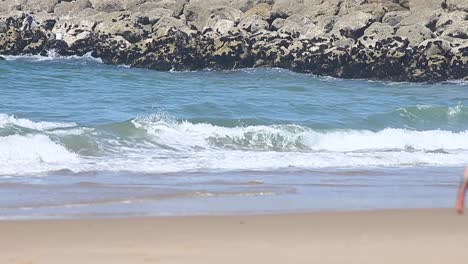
[(82, 139)]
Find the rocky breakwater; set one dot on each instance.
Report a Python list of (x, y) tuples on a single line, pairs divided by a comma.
[(403, 40)]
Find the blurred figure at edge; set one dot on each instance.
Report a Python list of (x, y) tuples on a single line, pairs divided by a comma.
[(461, 192)]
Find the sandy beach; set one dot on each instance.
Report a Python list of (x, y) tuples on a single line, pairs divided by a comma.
[(395, 236)]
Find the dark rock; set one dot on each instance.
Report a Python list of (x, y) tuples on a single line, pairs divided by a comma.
[(416, 40)]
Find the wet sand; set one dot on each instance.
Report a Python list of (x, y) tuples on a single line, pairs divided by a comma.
[(393, 236)]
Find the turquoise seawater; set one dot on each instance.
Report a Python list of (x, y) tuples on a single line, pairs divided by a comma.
[(80, 138)]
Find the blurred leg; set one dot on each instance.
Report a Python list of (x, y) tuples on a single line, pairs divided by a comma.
[(461, 193)]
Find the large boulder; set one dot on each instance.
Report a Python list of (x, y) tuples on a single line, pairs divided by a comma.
[(320, 8), (108, 5), (348, 6), (448, 19), (435, 47), (421, 11), (377, 8), (71, 8), (285, 8), (198, 10), (176, 6), (152, 16), (311, 8), (244, 5), (379, 29), (74, 30), (261, 10), (256, 18), (277, 24), (41, 5), (394, 18), (375, 33), (458, 30), (353, 25), (421, 5), (253, 24), (218, 17), (222, 26), (460, 5), (320, 27), (116, 5), (44, 20), (7, 6), (63, 26), (168, 25), (453, 41), (415, 33), (121, 24), (393, 5), (295, 25)]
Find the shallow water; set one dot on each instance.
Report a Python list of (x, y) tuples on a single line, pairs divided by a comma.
[(82, 139)]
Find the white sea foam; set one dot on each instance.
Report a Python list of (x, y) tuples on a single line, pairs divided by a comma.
[(177, 146), (453, 111), (51, 55), (9, 120), (421, 107), (186, 135), (218, 161), (32, 154), (458, 82)]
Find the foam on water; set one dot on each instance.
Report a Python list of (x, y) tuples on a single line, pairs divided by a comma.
[(185, 135), (161, 144), (33, 154), (454, 111), (215, 161), (10, 120), (51, 55)]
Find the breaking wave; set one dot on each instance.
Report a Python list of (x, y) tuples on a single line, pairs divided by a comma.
[(11, 121), (161, 144)]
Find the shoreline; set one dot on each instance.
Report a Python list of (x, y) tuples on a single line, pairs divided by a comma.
[(111, 195), (387, 236), (381, 40), (237, 214)]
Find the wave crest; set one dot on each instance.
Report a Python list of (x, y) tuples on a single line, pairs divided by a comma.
[(162, 144), (33, 154), (185, 135), (10, 120)]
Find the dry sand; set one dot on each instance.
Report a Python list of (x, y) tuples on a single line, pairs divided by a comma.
[(421, 236)]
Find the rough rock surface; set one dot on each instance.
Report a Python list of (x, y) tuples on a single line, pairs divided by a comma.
[(410, 40)]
